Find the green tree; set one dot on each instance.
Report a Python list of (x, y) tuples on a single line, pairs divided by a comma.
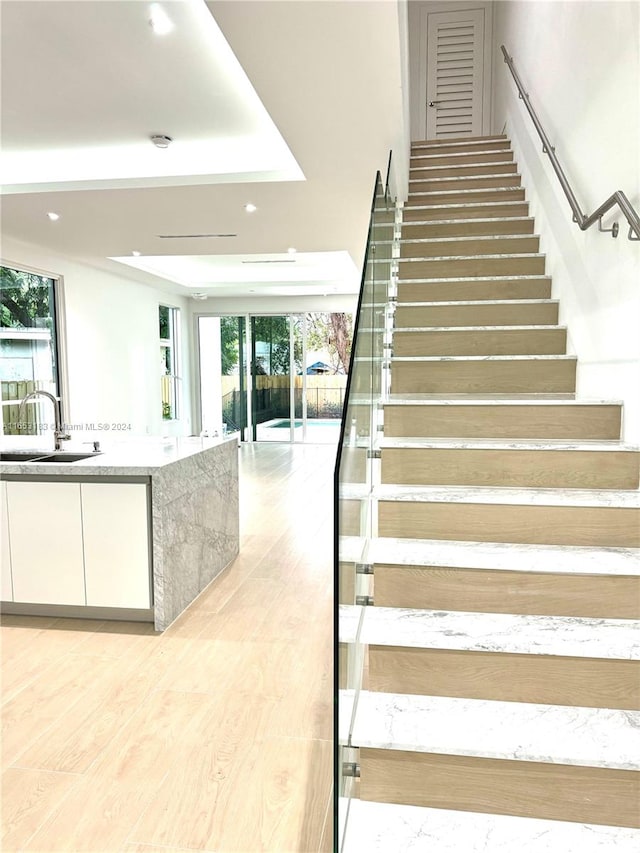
[(331, 332), (26, 300)]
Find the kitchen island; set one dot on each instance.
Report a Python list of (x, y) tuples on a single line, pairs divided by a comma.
[(134, 532)]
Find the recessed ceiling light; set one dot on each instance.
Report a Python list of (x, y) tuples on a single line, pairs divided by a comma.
[(135, 254), (159, 21), (53, 216), (161, 140), (291, 250), (250, 208)]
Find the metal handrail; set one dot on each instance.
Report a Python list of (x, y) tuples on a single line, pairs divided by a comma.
[(582, 219)]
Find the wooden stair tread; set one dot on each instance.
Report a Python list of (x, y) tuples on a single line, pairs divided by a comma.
[(487, 728), (566, 636), (393, 828)]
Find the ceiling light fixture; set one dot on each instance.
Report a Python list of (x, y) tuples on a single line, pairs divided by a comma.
[(199, 295), (250, 208), (160, 140), (159, 21), (53, 216)]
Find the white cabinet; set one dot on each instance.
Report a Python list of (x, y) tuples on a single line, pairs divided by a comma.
[(6, 586), (116, 544), (45, 528)]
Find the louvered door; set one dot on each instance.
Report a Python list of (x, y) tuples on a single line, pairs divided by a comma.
[(455, 62)]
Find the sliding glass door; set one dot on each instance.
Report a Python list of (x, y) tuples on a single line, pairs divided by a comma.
[(274, 377)]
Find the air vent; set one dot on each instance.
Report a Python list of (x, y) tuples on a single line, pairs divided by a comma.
[(191, 236), (270, 262)]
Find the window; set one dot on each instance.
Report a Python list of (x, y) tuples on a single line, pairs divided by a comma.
[(29, 355), (170, 361)]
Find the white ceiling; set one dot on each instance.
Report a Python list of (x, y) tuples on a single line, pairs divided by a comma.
[(289, 105)]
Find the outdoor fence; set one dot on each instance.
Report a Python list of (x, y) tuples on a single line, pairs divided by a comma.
[(324, 396), (27, 424)]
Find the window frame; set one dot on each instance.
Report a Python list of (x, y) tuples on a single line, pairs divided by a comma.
[(60, 326), (174, 344)]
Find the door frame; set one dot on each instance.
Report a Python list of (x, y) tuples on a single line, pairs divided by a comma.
[(419, 91)]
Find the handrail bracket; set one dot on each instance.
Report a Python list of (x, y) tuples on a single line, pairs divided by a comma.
[(617, 198)]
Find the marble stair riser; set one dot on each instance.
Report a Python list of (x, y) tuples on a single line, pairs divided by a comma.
[(466, 228), (459, 246), (481, 376), (500, 591), (477, 313), (550, 525), (481, 341), (529, 789), (466, 209), (464, 196), (548, 469), (499, 156), (544, 679), (471, 267), (472, 290), (456, 184), (429, 171)]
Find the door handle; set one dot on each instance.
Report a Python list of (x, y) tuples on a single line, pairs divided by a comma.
[(433, 103)]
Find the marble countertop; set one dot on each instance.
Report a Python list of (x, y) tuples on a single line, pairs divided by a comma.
[(135, 457)]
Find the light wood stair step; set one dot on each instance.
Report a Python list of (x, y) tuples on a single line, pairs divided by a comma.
[(456, 184), (477, 312), (468, 196), (518, 464), (525, 759), (459, 158), (548, 659), (480, 374), (467, 227), (471, 266), (462, 210), (491, 514), (480, 340), (409, 415), (458, 146), (497, 577), (395, 828), (486, 155), (474, 289), (452, 170), (456, 246)]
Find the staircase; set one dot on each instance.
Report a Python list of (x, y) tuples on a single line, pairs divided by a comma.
[(501, 690)]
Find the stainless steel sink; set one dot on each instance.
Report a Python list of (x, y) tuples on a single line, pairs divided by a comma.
[(43, 456), (64, 456), (20, 456)]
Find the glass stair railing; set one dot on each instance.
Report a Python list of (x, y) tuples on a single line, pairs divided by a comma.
[(356, 474)]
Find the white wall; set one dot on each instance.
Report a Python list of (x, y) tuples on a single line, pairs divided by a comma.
[(580, 62), (112, 343)]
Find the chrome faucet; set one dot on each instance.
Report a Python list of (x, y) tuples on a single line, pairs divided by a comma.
[(58, 433)]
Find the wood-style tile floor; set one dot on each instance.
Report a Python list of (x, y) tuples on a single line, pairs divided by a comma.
[(214, 736)]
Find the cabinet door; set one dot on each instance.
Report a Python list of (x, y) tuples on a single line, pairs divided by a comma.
[(116, 544), (6, 586), (46, 542)]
